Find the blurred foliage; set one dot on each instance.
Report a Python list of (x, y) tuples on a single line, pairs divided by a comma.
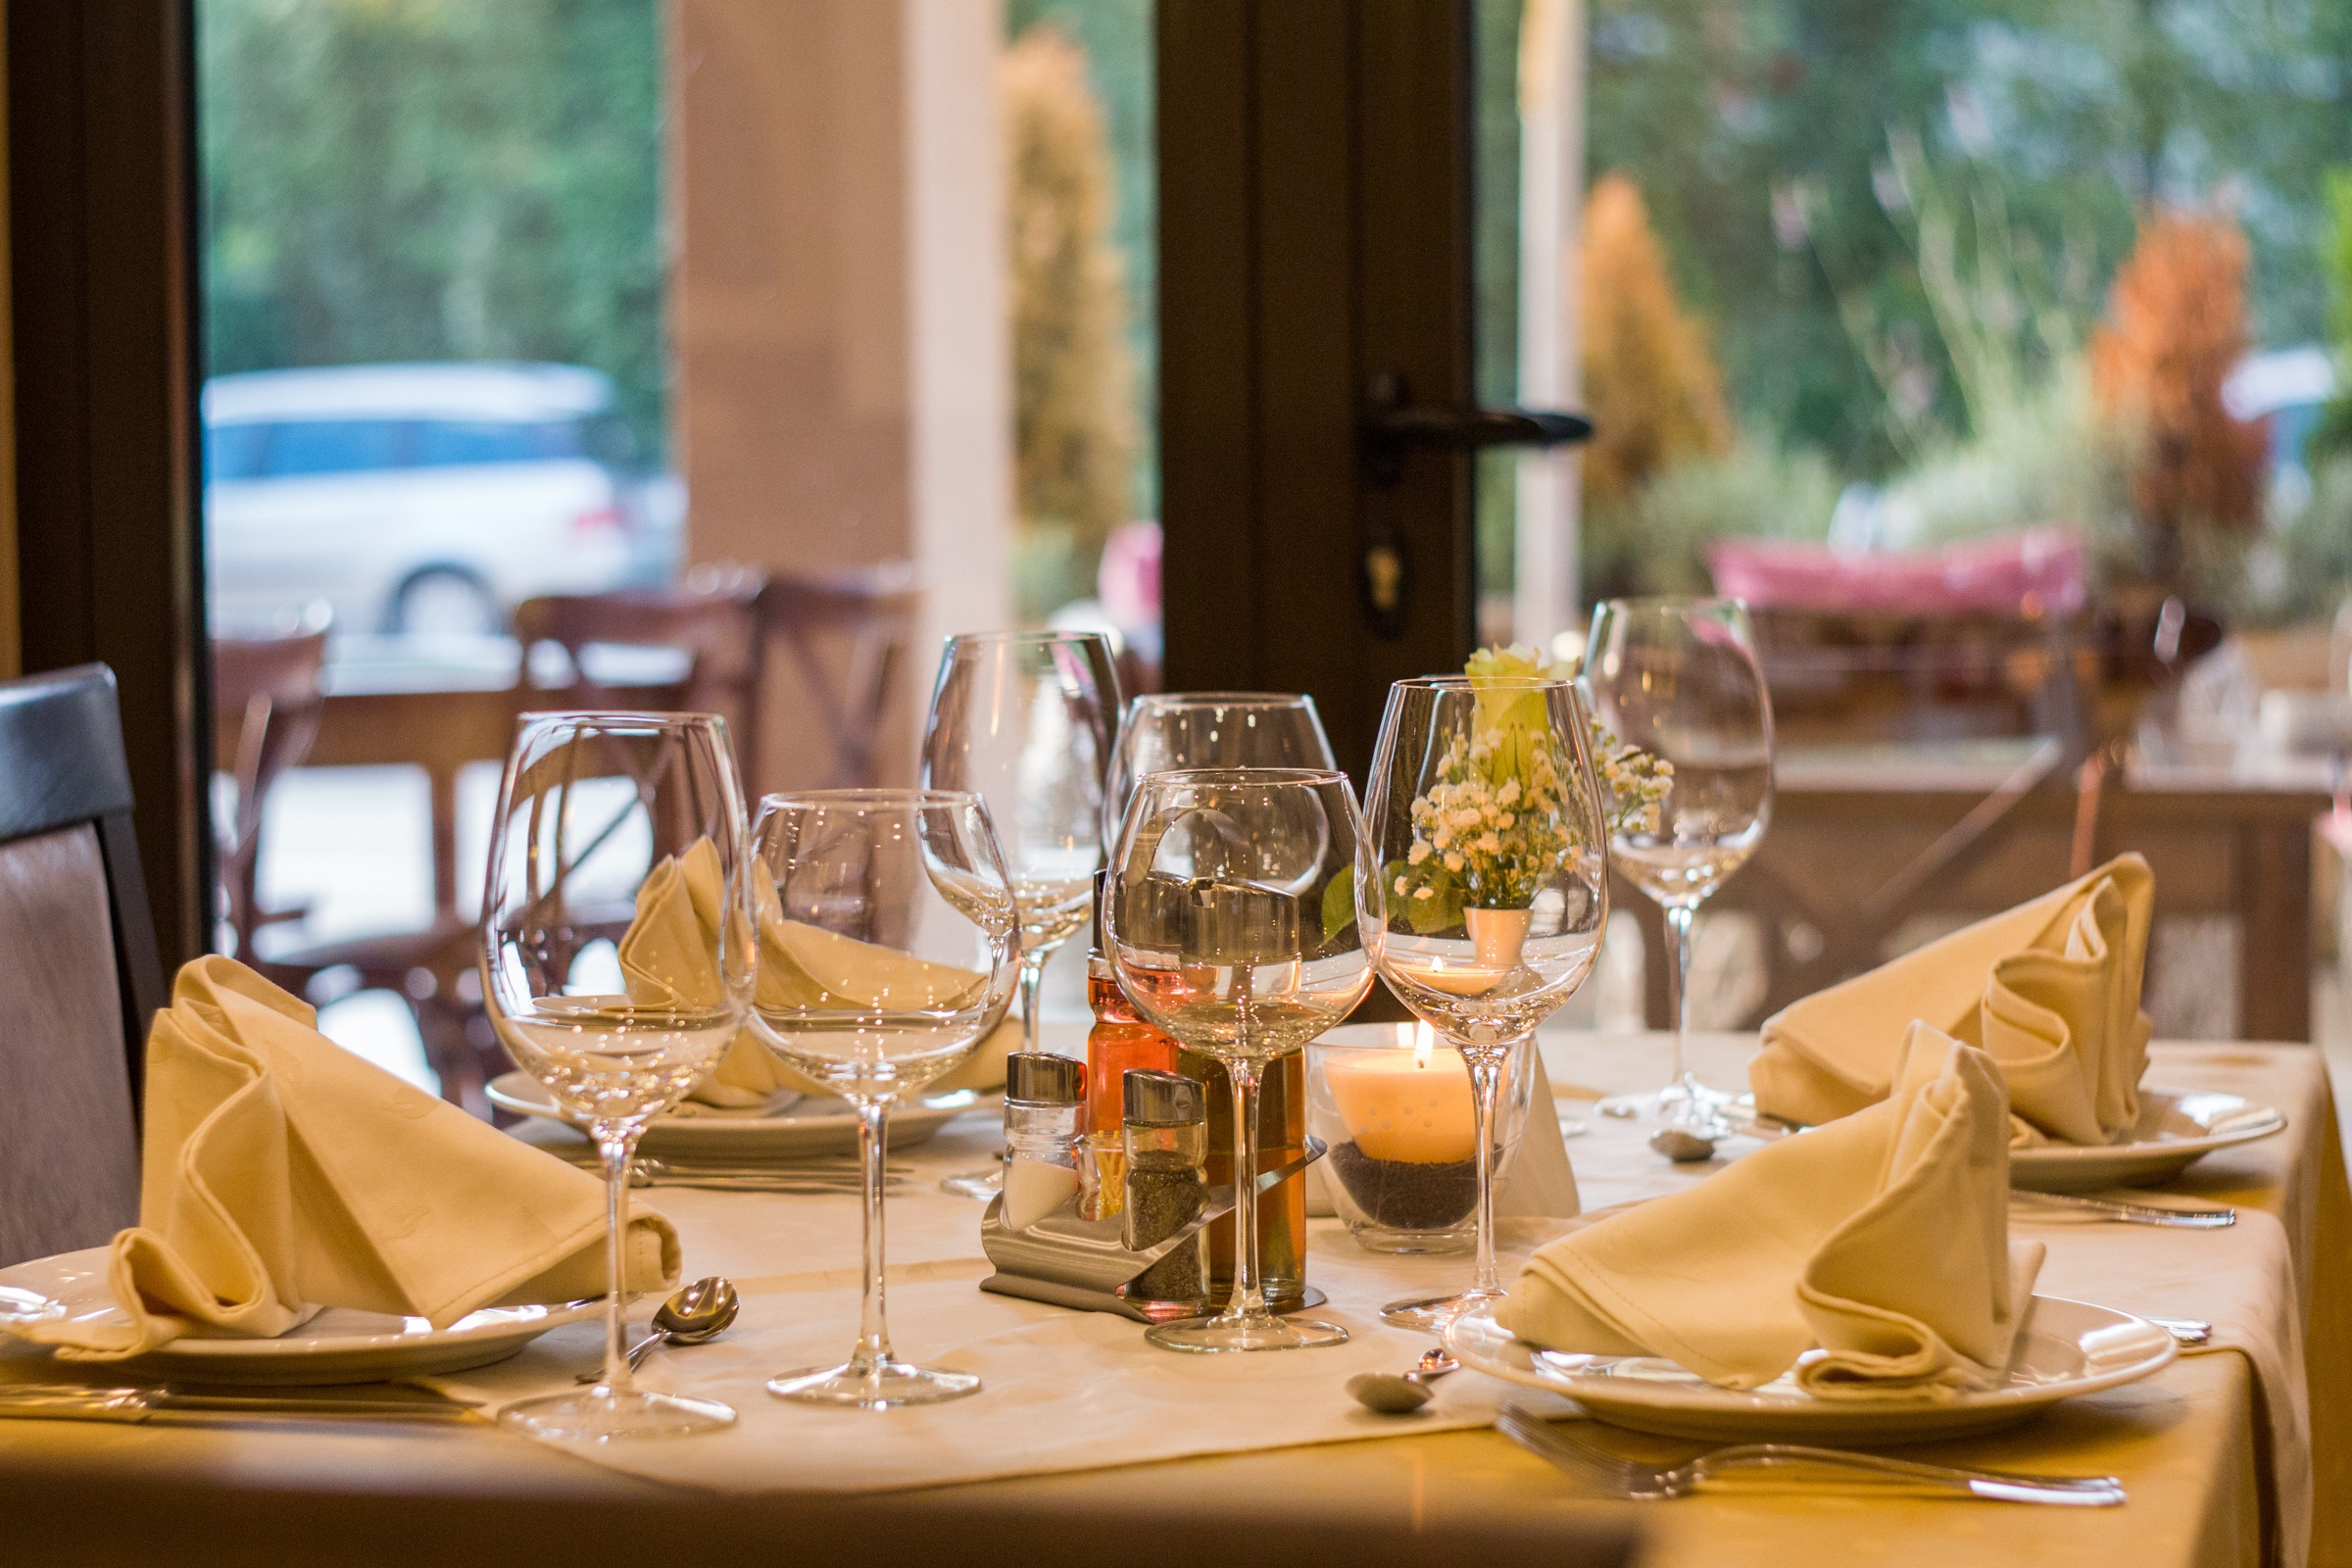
[(1073, 381), (2089, 110), (429, 179), (1116, 38), (2176, 326), (2332, 437), (1655, 540), (2302, 569), (1656, 396)]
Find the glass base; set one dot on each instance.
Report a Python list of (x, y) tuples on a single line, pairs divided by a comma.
[(877, 1387), (1431, 1313), (600, 1416), (1261, 1331), (981, 1184)]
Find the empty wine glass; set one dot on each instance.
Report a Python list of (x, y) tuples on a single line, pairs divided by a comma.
[(1026, 721), (886, 932), (1232, 928), (1482, 887), (617, 965), (1677, 681), (1166, 731)]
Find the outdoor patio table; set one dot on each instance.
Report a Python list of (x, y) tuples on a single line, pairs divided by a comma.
[(2218, 1461)]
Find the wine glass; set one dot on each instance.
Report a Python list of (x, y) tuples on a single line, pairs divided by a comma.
[(1677, 681), (616, 966), (1026, 721), (888, 946), (1232, 928), (1482, 887), (1170, 730)]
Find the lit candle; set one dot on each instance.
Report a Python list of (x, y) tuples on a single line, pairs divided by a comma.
[(1411, 1105)]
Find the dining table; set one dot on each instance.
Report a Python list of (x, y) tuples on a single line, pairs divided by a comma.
[(1088, 1445)]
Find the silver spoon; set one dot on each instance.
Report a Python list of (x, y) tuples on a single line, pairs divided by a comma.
[(699, 1312), (1390, 1394)]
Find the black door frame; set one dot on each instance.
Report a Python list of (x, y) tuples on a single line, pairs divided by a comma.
[(1315, 204), (102, 274)]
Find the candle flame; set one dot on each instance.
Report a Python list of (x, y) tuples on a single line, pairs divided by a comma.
[(1425, 1041)]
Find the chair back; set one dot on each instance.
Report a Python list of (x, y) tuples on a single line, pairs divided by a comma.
[(266, 709), (845, 638), (710, 621), (79, 978)]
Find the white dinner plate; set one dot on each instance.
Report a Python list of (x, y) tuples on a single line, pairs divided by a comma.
[(2175, 1130), (2066, 1348), (338, 1345), (805, 1127)]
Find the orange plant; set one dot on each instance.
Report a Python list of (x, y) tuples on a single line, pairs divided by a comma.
[(2176, 322), (1653, 391)]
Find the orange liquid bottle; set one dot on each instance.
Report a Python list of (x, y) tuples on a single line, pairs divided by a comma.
[(1118, 1043)]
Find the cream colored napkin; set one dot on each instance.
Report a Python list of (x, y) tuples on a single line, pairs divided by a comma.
[(668, 955), (282, 1174), (1881, 1238), (2050, 991)]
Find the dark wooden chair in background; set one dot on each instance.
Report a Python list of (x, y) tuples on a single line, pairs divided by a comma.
[(845, 637), (79, 978), (708, 620), (266, 709)]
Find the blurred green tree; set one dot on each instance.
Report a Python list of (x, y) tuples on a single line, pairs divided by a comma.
[(426, 179)]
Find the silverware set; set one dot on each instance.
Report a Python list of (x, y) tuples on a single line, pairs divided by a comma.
[(796, 1178), (2196, 1219), (1634, 1480), (74, 1401)]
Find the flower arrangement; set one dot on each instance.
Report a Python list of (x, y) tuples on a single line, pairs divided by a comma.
[(1492, 829)]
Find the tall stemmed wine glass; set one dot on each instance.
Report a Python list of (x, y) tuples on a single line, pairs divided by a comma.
[(618, 967), (1679, 681), (888, 947), (1482, 887), (1232, 928), (1166, 731), (1027, 720)]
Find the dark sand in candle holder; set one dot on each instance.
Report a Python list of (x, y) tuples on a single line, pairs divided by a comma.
[(1406, 1194)]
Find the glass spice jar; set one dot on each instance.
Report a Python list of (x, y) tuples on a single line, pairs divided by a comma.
[(1165, 1138), (1043, 1097)]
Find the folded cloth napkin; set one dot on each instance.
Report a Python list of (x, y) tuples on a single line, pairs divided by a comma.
[(668, 955), (2050, 991), (282, 1174), (1881, 1238)]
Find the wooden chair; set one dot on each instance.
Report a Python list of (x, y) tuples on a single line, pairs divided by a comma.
[(265, 711), (79, 977), (708, 620), (845, 638)]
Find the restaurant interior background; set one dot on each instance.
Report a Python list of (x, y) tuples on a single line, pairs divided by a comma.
[(840, 286)]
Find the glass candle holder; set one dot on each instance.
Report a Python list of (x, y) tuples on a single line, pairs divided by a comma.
[(1392, 1104)]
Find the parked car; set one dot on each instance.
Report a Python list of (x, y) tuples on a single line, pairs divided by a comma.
[(424, 498)]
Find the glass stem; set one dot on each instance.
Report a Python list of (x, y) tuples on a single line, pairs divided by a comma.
[(1249, 1295), (1678, 927), (1486, 1084), (616, 1142), (1033, 982), (873, 1326)]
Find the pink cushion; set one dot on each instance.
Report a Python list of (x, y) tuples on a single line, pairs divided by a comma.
[(2037, 572)]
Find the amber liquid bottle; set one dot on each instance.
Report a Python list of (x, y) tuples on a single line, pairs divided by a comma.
[(1281, 1139), (1118, 1043)]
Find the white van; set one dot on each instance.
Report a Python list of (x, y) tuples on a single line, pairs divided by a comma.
[(422, 498)]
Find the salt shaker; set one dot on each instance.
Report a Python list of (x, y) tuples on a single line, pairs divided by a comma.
[(1043, 1096), (1167, 1136)]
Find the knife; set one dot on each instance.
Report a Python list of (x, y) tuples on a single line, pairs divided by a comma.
[(74, 1401)]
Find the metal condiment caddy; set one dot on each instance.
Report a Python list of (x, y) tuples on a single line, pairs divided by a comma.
[(1085, 1264)]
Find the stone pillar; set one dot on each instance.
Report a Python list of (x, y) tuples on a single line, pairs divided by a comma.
[(838, 310), (1551, 195)]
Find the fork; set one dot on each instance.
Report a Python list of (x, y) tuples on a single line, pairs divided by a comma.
[(1648, 1483)]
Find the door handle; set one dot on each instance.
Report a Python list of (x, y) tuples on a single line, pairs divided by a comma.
[(1393, 425)]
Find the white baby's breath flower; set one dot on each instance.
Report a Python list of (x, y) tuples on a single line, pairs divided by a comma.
[(1401, 887), (1453, 862), (1426, 893), (1420, 851)]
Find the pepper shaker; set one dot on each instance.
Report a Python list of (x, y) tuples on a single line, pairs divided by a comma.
[(1166, 1139)]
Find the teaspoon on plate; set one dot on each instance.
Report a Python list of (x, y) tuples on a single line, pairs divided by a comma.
[(701, 1311)]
